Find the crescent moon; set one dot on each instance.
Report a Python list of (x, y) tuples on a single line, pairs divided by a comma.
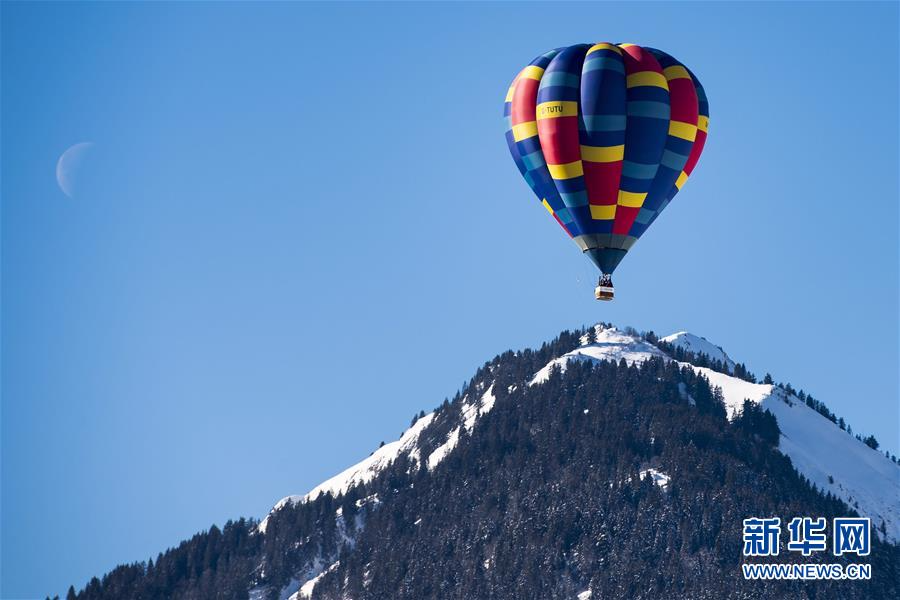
[(68, 165)]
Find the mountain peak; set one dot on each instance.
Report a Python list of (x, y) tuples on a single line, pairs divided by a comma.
[(699, 345), (608, 344)]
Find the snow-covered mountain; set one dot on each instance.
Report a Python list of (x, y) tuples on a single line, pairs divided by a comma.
[(830, 458), (559, 473)]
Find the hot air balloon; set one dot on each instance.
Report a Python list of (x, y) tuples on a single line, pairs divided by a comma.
[(606, 135)]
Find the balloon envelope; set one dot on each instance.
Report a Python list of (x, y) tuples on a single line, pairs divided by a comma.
[(605, 135)]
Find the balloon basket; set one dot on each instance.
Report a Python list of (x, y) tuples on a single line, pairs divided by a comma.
[(604, 292)]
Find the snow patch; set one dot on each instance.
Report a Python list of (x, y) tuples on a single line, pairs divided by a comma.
[(363, 471), (290, 589), (488, 400), (611, 345), (734, 390), (658, 477), (585, 595), (470, 414), (862, 477), (444, 449), (306, 589)]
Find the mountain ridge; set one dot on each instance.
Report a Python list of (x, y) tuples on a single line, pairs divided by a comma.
[(612, 344), (517, 487)]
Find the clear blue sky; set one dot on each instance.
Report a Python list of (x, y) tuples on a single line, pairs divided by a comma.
[(301, 225)]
